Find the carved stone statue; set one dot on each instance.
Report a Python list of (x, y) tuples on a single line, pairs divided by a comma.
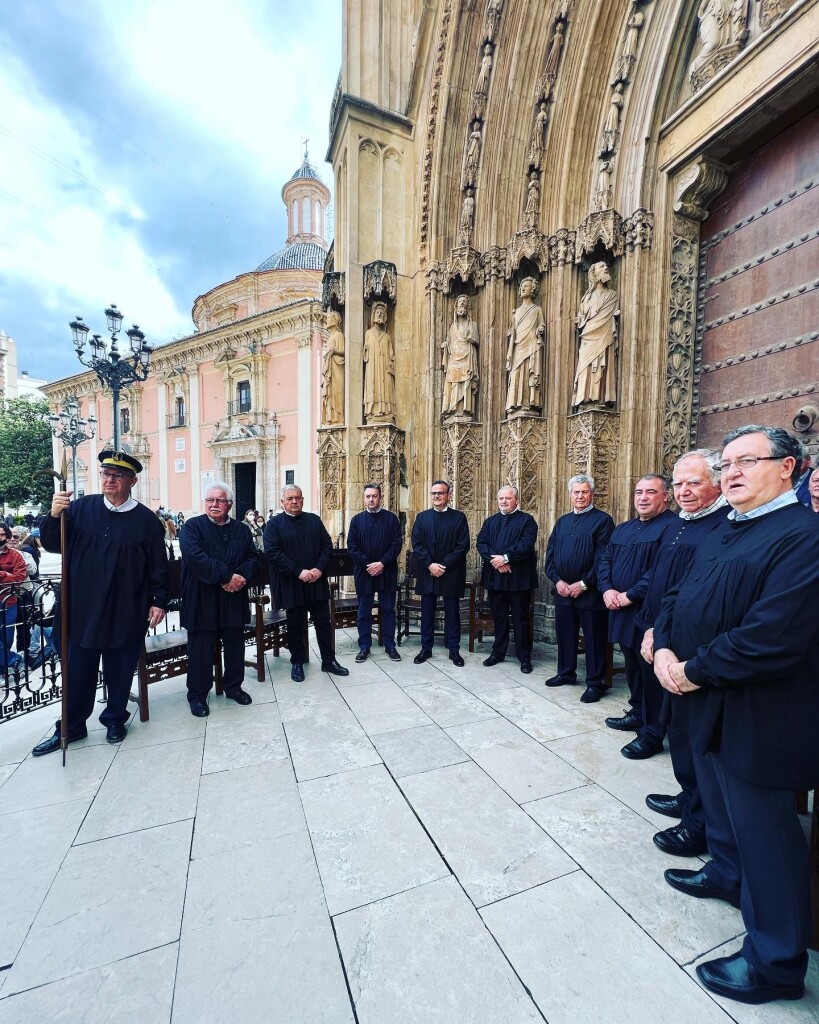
[(460, 362), (332, 372), (482, 84), (602, 195), (611, 127), (549, 76), (524, 355), (537, 147), (625, 63), (722, 30), (467, 220), (532, 211), (596, 379), (492, 20), (379, 369), (473, 155)]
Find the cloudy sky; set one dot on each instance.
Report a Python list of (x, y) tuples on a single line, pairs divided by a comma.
[(143, 147)]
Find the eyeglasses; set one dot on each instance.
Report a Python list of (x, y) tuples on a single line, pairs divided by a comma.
[(749, 461), (109, 474), (15, 536), (217, 501), (439, 494)]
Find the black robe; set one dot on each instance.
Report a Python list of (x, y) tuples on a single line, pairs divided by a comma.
[(624, 565), (117, 571), (211, 554), (441, 537), (293, 544), (515, 536), (571, 554), (375, 537), (744, 621)]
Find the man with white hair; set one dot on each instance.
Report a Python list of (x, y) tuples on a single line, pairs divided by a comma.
[(218, 558)]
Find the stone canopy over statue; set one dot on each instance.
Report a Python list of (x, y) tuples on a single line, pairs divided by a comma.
[(524, 356), (332, 372), (595, 382), (379, 369), (460, 362)]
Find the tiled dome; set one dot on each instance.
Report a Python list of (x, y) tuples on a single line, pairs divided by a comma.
[(296, 256)]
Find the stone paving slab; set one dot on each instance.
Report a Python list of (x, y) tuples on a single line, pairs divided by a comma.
[(424, 956), (41, 782), (383, 707), (537, 716), (417, 750), (367, 841), (237, 736), (447, 703)]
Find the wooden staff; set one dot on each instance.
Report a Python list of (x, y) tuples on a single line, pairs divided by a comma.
[(64, 638)]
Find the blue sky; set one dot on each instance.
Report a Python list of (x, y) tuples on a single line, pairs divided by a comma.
[(143, 147)]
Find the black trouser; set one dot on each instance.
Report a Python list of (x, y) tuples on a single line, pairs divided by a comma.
[(296, 625), (653, 705), (201, 644), (364, 619), (634, 678), (502, 604), (118, 667), (682, 761), (594, 622), (452, 622)]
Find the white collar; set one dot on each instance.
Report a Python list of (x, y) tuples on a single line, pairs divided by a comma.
[(126, 506)]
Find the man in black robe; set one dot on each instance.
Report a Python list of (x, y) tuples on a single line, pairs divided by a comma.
[(623, 570), (739, 640), (218, 559), (506, 543), (298, 551), (571, 556), (118, 587), (440, 542), (374, 540), (696, 484)]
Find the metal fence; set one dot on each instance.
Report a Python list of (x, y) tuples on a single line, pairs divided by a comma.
[(29, 659)]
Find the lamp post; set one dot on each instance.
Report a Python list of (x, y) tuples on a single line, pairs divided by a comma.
[(114, 370), (69, 428)]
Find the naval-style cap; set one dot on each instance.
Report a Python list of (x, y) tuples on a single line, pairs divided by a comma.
[(121, 459)]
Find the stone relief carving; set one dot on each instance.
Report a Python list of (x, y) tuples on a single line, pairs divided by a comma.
[(473, 156), (379, 369), (697, 186), (493, 262), (465, 263), (460, 362), (522, 449), (722, 31), (332, 372), (484, 71), (550, 68), (638, 230), (679, 377), (611, 126), (628, 55), (531, 212), (467, 221), (595, 382), (380, 280), (432, 124), (561, 247), (491, 22), (332, 287), (524, 356), (771, 10), (332, 461), (382, 452), (605, 226), (530, 245), (537, 146), (602, 194), (592, 445), (462, 451)]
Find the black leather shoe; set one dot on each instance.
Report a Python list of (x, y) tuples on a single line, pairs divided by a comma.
[(393, 655), (456, 659), (641, 748), (199, 708), (115, 733), (696, 883), (681, 842), (493, 659), (241, 697), (590, 695), (421, 657), (52, 743), (297, 672), (630, 722), (734, 977), (560, 681), (526, 668), (670, 806), (334, 667), (362, 655)]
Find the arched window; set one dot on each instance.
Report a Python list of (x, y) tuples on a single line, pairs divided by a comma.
[(124, 421)]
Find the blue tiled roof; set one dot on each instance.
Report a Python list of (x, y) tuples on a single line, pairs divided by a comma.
[(306, 171), (296, 256)]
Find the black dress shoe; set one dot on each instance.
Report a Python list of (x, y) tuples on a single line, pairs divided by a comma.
[(590, 695), (362, 655), (297, 672), (456, 659), (681, 842), (199, 708), (670, 806), (696, 883), (493, 659), (734, 977), (630, 722), (52, 743), (393, 655), (241, 697), (115, 733), (526, 668), (641, 748), (560, 681), (421, 657), (334, 667)]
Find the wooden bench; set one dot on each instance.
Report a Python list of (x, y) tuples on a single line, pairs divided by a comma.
[(480, 614), (268, 626), (408, 608), (344, 610)]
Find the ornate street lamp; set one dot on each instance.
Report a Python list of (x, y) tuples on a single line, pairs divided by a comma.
[(69, 428), (114, 370)]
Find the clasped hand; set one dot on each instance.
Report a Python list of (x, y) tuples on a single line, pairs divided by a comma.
[(671, 672)]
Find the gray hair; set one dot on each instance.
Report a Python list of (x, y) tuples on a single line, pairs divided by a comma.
[(709, 457), (290, 487), (373, 487), (580, 478), (220, 485), (783, 445), (22, 532), (512, 488)]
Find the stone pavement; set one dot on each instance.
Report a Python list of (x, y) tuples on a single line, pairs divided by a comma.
[(410, 845)]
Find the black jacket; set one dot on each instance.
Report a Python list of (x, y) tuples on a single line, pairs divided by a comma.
[(515, 536), (441, 537)]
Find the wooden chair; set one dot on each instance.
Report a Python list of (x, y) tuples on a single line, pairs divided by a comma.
[(480, 614), (408, 608), (344, 610), (267, 630)]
